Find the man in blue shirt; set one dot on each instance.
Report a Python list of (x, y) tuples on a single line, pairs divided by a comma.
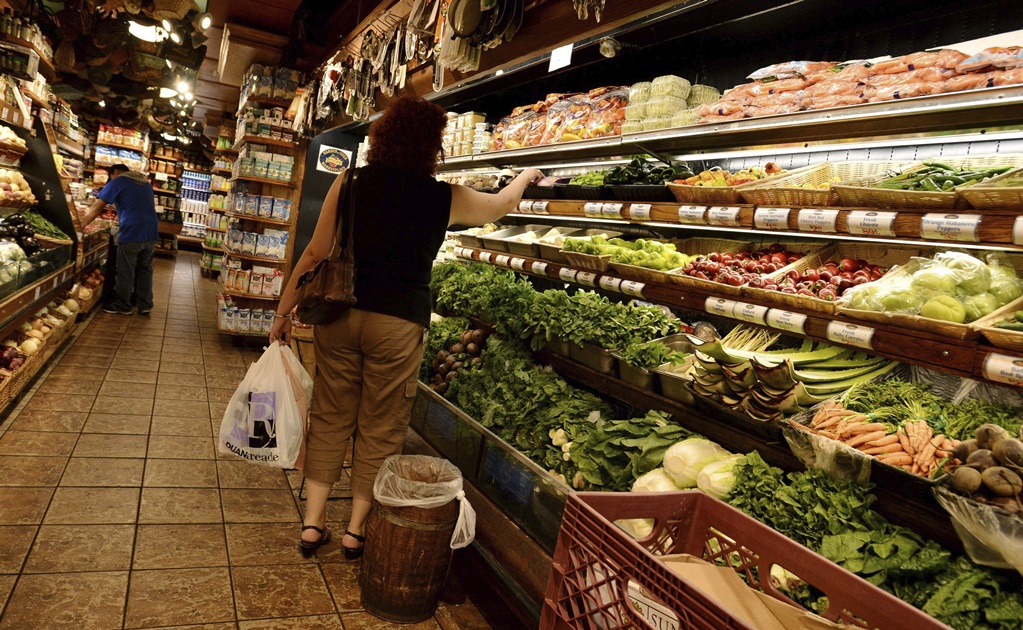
[(137, 233)]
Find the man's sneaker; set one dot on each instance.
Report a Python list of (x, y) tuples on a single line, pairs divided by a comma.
[(145, 312), (115, 310)]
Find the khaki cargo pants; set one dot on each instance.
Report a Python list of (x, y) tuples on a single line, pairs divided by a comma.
[(367, 365)]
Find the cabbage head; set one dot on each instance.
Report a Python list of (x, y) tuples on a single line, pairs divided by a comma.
[(684, 460)]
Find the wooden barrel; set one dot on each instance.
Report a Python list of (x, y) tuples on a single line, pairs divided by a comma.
[(408, 550)]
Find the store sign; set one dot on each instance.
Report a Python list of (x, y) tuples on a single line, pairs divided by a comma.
[(1017, 231), (639, 212), (818, 221), (539, 268), (691, 215), (526, 207), (502, 260), (610, 283), (851, 334), (787, 321), (566, 274), (333, 160), (611, 210), (587, 278), (750, 313), (633, 288), (723, 216), (518, 264), (561, 57), (539, 207), (485, 257), (771, 218), (1003, 368), (951, 227), (871, 223), (719, 306), (592, 210)]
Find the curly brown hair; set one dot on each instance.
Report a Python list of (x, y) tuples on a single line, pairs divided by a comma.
[(408, 136)]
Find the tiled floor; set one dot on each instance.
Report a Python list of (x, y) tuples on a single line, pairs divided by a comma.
[(117, 512)]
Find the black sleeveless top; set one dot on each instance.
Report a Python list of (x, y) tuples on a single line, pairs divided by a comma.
[(400, 222)]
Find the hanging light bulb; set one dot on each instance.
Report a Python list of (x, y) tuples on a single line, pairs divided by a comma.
[(175, 37), (166, 25), (102, 103), (203, 21), (169, 64), (169, 137), (166, 92), (145, 33), (182, 86), (188, 96)]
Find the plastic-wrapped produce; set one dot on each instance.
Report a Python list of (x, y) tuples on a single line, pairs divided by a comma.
[(659, 122), (685, 118), (701, 95), (664, 106), (639, 92), (607, 112), (10, 252), (632, 126), (670, 85), (516, 128), (635, 111)]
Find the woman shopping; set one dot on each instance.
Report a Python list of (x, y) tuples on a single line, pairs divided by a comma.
[(367, 361)]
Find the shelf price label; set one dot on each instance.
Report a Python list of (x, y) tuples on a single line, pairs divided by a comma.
[(787, 321), (639, 212), (592, 210), (750, 313), (818, 221), (1003, 369), (485, 257), (587, 278), (539, 268), (610, 283), (719, 306), (518, 264), (502, 260), (539, 207), (526, 207), (566, 274), (871, 223), (851, 334), (1017, 231), (611, 210), (633, 288), (723, 216), (692, 215), (951, 227), (160, 177), (771, 218)]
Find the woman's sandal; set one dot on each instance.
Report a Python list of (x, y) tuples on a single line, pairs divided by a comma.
[(309, 548), (354, 553)]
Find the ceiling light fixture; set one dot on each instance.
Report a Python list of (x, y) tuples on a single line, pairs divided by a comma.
[(169, 137), (166, 92), (182, 86), (175, 37), (102, 103), (166, 24), (145, 33), (188, 96), (204, 21)]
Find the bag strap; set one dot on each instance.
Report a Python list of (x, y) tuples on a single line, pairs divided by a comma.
[(344, 232)]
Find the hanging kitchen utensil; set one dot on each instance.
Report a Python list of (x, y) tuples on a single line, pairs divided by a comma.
[(465, 17), (438, 73), (518, 8)]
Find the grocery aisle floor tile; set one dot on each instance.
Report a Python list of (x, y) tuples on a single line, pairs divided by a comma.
[(117, 512)]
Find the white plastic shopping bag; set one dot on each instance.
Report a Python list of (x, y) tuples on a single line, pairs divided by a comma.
[(264, 422)]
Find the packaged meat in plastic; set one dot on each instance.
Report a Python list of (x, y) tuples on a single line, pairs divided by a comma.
[(941, 59), (725, 107), (921, 75), (827, 102), (972, 81), (776, 87), (771, 110), (516, 128), (534, 133), (705, 120), (789, 70), (854, 71), (1008, 77), (607, 113), (670, 85), (906, 90), (834, 88), (993, 58), (639, 92)]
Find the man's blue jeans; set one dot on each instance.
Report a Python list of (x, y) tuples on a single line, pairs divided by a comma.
[(135, 272)]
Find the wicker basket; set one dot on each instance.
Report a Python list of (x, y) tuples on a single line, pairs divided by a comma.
[(50, 243), (788, 191), (863, 193), (1000, 337), (677, 277), (640, 274), (14, 382), (875, 254), (994, 195), (916, 322), (719, 195), (587, 261)]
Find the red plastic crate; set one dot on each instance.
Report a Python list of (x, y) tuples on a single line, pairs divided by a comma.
[(595, 560)]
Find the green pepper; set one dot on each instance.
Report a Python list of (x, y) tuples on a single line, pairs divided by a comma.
[(1015, 326), (928, 184), (942, 166)]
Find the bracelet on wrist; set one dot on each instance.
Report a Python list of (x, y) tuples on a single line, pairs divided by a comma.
[(282, 316)]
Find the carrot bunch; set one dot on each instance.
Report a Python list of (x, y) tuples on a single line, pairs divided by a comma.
[(913, 446)]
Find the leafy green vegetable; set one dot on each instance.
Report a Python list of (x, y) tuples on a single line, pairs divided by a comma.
[(962, 420), (651, 354), (42, 226), (442, 335), (495, 295)]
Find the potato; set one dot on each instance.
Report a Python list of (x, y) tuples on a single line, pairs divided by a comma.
[(451, 360), (442, 389), (457, 365), (472, 350), (966, 479), (457, 349), (479, 336), (1009, 453), (1009, 504), (451, 376), (964, 449), (988, 434), (442, 355), (443, 369), (1002, 481), (981, 459), (466, 337)]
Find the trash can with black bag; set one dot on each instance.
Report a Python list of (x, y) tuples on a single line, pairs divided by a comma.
[(420, 514)]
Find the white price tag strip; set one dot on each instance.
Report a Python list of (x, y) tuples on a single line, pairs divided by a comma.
[(819, 221), (592, 210), (485, 256), (1017, 231), (612, 210), (540, 207), (633, 288), (719, 306), (692, 215), (871, 223), (610, 283), (750, 313), (526, 207), (502, 260), (518, 264), (723, 216), (787, 321), (771, 218), (586, 277), (539, 268), (566, 274), (639, 212), (1003, 369), (851, 334), (951, 227)]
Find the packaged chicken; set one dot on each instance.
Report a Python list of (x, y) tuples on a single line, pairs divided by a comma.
[(941, 59), (907, 90), (997, 58), (972, 81), (921, 75), (789, 70)]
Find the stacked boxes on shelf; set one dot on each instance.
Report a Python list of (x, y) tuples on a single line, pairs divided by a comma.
[(251, 321), (269, 244), (262, 206), (257, 160)]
